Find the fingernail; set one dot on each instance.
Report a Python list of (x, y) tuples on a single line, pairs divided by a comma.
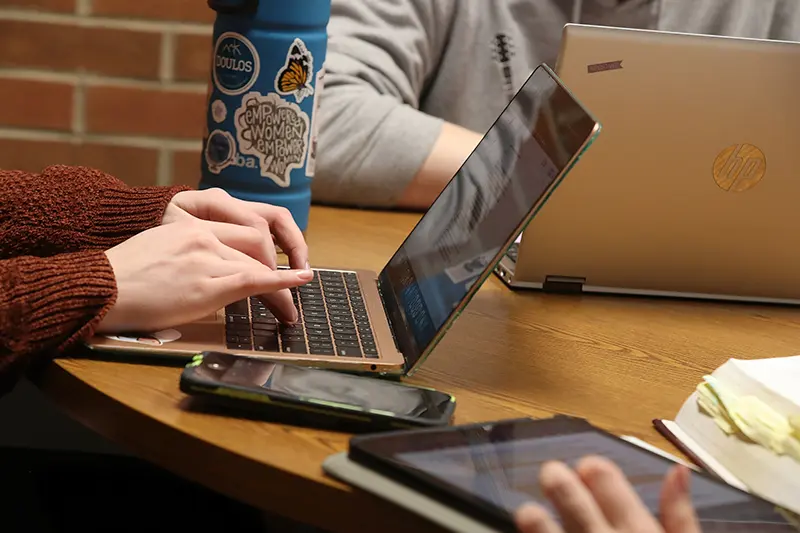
[(685, 480), (308, 266), (305, 275)]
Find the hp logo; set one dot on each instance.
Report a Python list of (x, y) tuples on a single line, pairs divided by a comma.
[(740, 167)]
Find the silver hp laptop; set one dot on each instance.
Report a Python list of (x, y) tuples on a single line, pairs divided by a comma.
[(693, 188), (388, 323)]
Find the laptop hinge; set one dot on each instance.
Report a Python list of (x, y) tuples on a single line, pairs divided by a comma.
[(563, 284), (388, 315)]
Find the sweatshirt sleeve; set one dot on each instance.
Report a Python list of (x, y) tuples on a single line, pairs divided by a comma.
[(48, 304), (67, 209), (372, 137)]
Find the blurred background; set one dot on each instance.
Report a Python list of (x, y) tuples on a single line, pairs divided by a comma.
[(118, 85)]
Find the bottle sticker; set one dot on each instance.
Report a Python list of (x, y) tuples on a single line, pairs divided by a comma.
[(220, 151), (219, 111), (311, 164), (158, 338), (275, 131), (236, 64), (296, 75)]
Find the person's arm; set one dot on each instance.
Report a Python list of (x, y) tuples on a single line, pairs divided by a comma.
[(68, 209), (47, 304), (375, 147), (451, 149)]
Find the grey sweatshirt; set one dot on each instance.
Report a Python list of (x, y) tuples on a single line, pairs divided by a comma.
[(397, 68)]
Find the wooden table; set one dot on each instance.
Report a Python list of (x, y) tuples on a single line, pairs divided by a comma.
[(617, 361)]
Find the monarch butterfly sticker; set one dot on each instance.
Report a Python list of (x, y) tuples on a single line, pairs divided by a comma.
[(296, 75)]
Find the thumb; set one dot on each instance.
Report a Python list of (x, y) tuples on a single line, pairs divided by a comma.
[(677, 511), (259, 280)]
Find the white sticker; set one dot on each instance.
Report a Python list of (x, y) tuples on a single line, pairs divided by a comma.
[(220, 151), (158, 338), (296, 75), (311, 164), (236, 64), (275, 131), (218, 111)]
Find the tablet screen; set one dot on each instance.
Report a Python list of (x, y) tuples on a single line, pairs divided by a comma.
[(500, 468)]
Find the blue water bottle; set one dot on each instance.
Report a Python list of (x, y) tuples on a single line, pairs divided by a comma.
[(266, 78)]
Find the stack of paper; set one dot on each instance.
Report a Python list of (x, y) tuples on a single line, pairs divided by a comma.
[(743, 423)]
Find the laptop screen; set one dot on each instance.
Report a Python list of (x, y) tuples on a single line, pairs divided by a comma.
[(518, 161)]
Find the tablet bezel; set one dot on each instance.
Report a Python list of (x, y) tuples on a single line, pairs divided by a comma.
[(377, 452)]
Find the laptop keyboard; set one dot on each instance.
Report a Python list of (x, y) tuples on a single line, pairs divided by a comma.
[(333, 321)]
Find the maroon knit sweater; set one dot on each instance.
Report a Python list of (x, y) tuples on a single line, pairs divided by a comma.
[(55, 281)]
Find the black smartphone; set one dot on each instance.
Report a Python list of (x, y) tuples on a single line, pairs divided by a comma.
[(309, 396), (489, 470)]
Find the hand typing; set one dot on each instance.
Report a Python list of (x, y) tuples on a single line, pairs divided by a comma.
[(273, 224), (180, 272)]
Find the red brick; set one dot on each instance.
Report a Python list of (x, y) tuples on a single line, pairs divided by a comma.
[(36, 104), (145, 112), (68, 48), (135, 166), (193, 57), (186, 168), (61, 6), (180, 10)]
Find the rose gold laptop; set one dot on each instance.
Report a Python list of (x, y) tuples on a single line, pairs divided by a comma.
[(389, 322), (693, 189)]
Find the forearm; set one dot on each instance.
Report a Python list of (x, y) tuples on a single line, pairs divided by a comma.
[(448, 154), (68, 209), (48, 304)]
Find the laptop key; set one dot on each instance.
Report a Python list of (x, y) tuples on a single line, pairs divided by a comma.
[(238, 327), (322, 350), (335, 291), (294, 347), (344, 337), (265, 344), (291, 330), (238, 346), (237, 319), (348, 351), (346, 343), (292, 338)]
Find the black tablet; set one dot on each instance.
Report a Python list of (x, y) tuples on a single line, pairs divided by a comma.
[(489, 470)]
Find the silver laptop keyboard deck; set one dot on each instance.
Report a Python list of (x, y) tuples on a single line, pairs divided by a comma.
[(333, 321)]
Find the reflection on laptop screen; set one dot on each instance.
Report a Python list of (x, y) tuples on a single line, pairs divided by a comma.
[(521, 156)]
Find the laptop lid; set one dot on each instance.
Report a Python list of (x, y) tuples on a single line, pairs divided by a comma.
[(506, 179), (692, 189)]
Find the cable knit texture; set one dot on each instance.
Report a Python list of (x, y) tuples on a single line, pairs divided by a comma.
[(56, 284)]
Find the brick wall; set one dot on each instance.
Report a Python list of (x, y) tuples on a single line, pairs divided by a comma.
[(119, 85)]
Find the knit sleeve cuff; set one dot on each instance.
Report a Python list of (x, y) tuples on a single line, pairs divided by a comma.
[(121, 213), (51, 303)]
